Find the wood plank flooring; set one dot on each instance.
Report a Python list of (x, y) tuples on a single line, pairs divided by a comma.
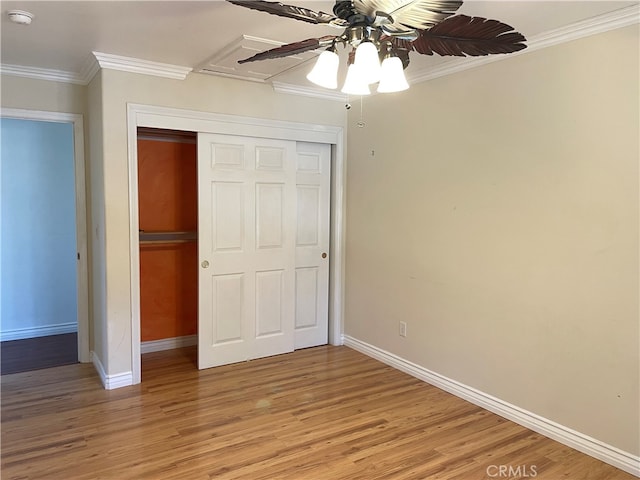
[(325, 413), (39, 352)]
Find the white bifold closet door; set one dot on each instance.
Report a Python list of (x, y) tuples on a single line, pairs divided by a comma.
[(263, 226)]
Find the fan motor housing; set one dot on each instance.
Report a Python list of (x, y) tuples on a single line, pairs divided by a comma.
[(344, 9)]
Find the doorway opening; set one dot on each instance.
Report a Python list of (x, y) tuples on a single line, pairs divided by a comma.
[(44, 301)]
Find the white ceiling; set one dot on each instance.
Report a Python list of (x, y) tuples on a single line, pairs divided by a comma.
[(200, 33)]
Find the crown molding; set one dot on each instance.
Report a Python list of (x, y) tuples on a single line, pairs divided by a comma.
[(93, 64), (624, 17), (145, 67), (86, 74), (89, 69), (291, 89), (602, 23), (48, 74)]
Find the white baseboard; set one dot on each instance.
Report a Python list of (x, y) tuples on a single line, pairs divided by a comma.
[(111, 381), (125, 379), (168, 343), (33, 332), (614, 456)]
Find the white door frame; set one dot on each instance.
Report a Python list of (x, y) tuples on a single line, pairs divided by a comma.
[(81, 213), (196, 121)]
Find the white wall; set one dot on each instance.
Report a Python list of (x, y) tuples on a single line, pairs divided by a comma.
[(196, 92), (499, 219), (39, 292)]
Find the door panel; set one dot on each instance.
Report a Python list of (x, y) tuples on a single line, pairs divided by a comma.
[(268, 158), (228, 297), (227, 211), (227, 156), (270, 215), (306, 297), (269, 303), (308, 228)]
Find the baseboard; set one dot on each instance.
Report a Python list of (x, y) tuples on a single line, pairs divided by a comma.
[(109, 382), (168, 343), (620, 459), (33, 332)]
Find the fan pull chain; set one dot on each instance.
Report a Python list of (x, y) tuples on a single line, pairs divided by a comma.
[(361, 123)]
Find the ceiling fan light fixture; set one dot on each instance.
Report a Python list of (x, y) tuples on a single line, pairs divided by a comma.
[(325, 71), (394, 27), (368, 61), (354, 83), (392, 77)]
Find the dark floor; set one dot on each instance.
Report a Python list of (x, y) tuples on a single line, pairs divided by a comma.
[(36, 353)]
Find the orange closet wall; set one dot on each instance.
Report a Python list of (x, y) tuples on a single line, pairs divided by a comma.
[(167, 202)]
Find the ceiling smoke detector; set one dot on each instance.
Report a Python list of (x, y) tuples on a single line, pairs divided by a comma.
[(21, 17)]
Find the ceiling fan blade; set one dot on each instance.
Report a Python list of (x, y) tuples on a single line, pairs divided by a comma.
[(466, 36), (291, 11), (410, 13), (291, 49)]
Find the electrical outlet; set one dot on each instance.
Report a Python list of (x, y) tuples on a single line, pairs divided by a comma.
[(403, 329)]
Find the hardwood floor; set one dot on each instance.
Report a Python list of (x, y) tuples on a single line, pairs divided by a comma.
[(39, 352), (324, 413)]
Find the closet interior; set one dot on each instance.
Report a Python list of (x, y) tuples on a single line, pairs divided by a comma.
[(168, 222)]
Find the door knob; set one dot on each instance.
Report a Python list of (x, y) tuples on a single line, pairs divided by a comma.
[(205, 264), (324, 255)]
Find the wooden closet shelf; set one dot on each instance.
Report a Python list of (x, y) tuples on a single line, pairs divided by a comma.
[(167, 237), (165, 242)]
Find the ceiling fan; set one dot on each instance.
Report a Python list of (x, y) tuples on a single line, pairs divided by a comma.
[(382, 33)]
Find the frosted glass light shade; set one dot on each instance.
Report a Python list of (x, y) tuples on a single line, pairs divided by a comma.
[(354, 84), (392, 77), (368, 62), (325, 71)]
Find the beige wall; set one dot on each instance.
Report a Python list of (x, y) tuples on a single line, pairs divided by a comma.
[(33, 94), (97, 226), (197, 92), (499, 219)]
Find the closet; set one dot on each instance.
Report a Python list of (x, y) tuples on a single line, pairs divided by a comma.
[(168, 222), (234, 242)]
